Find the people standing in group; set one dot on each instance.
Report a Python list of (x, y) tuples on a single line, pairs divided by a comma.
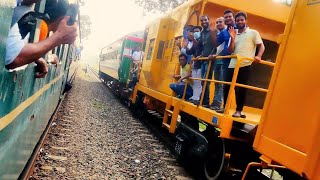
[(244, 42), (232, 36)]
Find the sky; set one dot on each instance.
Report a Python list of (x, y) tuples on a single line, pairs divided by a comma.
[(110, 21)]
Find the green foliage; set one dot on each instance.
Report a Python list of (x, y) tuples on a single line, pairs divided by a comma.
[(158, 5)]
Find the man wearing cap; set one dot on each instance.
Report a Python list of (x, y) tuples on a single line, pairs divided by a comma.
[(20, 52), (187, 42)]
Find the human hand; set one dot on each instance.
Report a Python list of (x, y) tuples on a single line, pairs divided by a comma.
[(197, 58), (232, 32), (42, 68), (178, 43), (185, 44), (67, 34), (212, 57), (55, 59), (257, 59)]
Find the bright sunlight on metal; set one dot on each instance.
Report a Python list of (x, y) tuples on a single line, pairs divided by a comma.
[(287, 2)]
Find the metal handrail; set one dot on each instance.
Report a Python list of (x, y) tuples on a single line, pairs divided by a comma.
[(233, 82)]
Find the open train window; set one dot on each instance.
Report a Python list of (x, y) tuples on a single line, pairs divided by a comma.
[(160, 49), (262, 75), (150, 50), (286, 2), (171, 43), (25, 25), (145, 36), (176, 49), (61, 53)]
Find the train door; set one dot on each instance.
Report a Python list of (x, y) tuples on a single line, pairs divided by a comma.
[(168, 66), (290, 127), (151, 75), (181, 20)]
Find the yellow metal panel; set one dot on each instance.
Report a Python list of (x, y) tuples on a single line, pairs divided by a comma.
[(157, 72), (269, 29), (264, 8), (291, 120), (293, 157), (205, 114)]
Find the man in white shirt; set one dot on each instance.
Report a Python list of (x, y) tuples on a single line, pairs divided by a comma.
[(137, 55), (244, 43), (20, 52)]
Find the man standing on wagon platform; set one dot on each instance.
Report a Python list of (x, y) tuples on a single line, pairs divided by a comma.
[(206, 47), (218, 69), (244, 42), (225, 38)]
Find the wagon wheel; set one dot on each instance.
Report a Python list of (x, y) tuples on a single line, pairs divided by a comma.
[(214, 162)]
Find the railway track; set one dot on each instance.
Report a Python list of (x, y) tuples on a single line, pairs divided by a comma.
[(153, 121), (95, 138)]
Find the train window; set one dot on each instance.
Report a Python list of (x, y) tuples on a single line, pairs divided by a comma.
[(160, 50), (61, 53), (58, 50), (171, 43), (54, 50), (176, 49), (145, 37), (286, 2), (150, 50)]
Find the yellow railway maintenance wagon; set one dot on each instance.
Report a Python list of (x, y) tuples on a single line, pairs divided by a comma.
[(282, 122)]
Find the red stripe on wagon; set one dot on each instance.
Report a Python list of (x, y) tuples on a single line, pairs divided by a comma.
[(134, 39)]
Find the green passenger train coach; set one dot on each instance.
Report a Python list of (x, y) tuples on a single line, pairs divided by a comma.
[(116, 60), (27, 103)]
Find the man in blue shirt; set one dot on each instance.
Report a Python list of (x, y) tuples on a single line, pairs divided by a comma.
[(218, 69), (224, 37)]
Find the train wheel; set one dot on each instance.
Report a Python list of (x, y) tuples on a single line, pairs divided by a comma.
[(214, 163)]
